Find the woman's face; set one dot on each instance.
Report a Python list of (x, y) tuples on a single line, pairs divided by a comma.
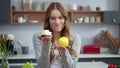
[(56, 21)]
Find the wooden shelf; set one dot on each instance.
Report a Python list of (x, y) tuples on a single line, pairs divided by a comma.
[(79, 14), (40, 16), (30, 15)]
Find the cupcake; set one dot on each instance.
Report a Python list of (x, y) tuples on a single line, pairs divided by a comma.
[(46, 33)]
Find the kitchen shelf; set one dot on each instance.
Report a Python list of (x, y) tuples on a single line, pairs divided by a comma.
[(40, 16), (78, 14), (30, 16)]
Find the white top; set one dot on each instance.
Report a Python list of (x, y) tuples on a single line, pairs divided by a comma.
[(56, 64), (42, 53)]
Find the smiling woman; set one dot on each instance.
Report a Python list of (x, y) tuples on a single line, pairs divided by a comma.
[(54, 54), (56, 20)]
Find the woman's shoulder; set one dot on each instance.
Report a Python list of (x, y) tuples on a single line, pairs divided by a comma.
[(37, 34), (75, 36)]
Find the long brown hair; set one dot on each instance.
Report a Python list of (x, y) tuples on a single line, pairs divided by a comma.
[(66, 30)]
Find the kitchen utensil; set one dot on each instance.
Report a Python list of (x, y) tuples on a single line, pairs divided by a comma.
[(91, 49), (25, 50), (20, 19), (21, 43), (73, 6)]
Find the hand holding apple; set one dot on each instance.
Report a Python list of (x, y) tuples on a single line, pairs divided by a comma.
[(61, 49), (63, 41)]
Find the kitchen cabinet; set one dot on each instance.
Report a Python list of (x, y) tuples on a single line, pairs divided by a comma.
[(4, 11), (112, 17), (19, 60), (37, 17)]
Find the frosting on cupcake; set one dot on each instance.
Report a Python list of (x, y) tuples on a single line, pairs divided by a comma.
[(46, 33)]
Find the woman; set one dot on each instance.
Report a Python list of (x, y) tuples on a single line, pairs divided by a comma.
[(48, 53)]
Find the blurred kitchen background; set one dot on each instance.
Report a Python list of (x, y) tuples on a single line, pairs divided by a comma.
[(88, 32)]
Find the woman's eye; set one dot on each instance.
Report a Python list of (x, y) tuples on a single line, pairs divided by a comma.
[(61, 17), (52, 18)]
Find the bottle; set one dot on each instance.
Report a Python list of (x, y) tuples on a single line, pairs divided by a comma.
[(10, 45), (46, 4), (29, 4), (37, 6), (81, 8), (89, 8), (23, 5), (73, 7), (13, 8), (98, 8)]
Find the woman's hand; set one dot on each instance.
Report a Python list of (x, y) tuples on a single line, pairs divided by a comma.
[(46, 40), (61, 49)]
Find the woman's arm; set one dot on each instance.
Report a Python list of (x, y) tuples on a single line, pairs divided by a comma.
[(42, 52), (69, 61)]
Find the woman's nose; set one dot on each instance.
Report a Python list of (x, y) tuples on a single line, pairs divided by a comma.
[(57, 21)]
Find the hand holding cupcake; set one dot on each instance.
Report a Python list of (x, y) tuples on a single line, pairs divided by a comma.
[(46, 36)]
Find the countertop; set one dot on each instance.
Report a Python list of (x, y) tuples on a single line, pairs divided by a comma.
[(22, 56), (99, 64), (92, 65), (99, 56), (32, 56)]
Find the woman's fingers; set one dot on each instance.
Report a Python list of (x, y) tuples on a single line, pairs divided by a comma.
[(62, 49), (45, 40)]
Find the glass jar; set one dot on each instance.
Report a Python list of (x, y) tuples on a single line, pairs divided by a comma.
[(98, 19), (86, 19), (92, 19), (73, 6)]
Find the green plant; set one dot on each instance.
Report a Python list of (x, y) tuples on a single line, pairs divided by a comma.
[(4, 49), (28, 65)]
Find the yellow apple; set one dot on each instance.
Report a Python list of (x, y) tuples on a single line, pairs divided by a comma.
[(63, 41)]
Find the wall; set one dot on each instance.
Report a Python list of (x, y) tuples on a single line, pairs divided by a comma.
[(86, 31), (104, 4)]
